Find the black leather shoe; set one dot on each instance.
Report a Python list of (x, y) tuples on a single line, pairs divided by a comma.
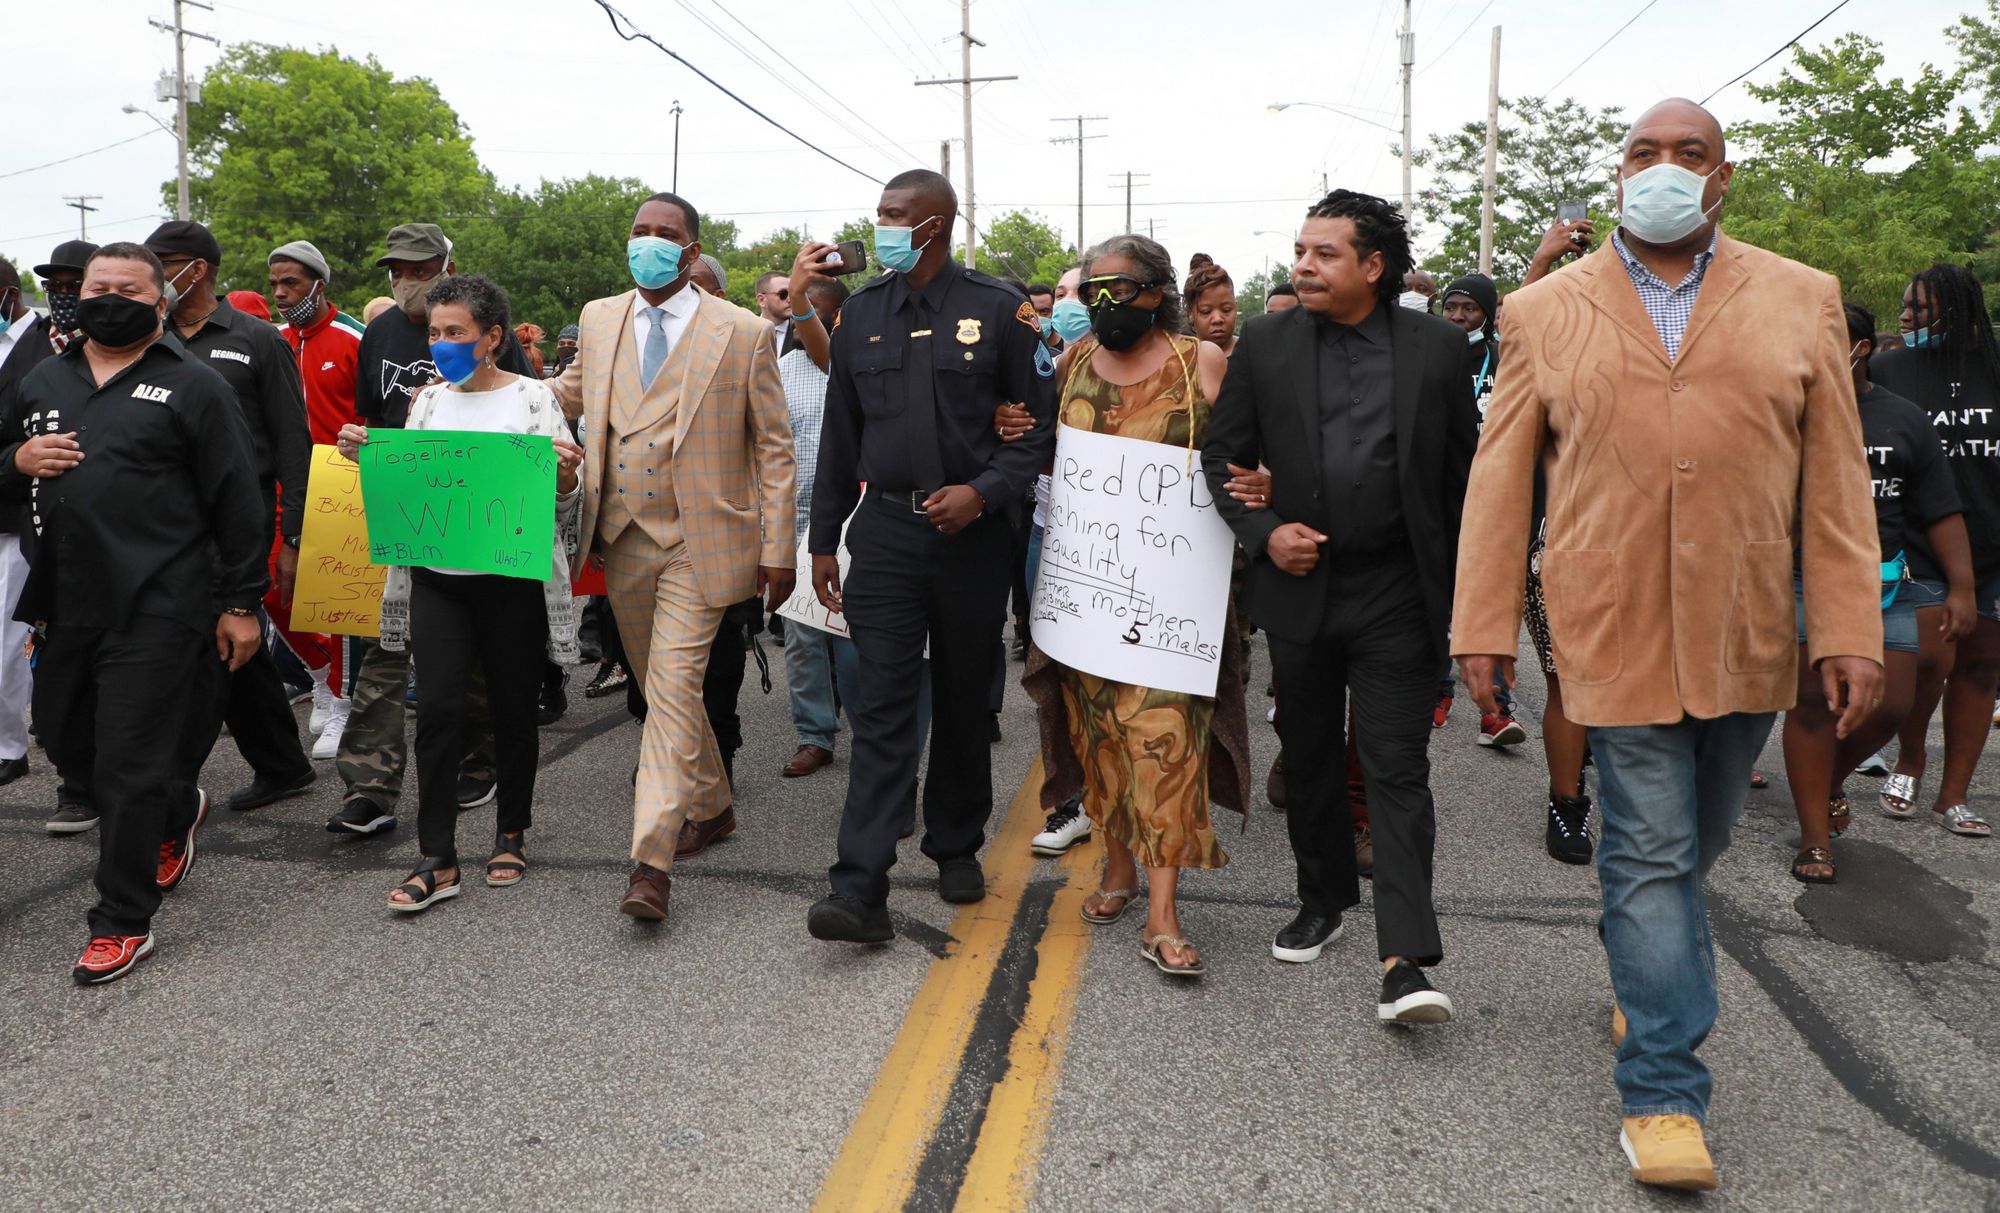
[(1303, 938), (12, 769), (264, 791), (844, 920), (960, 881)]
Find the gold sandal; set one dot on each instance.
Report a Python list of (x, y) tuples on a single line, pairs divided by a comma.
[(1124, 897), (1154, 949)]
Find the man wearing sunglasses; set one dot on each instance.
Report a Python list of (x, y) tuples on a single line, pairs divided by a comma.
[(774, 302)]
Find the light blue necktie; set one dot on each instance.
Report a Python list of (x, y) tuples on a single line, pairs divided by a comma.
[(655, 352)]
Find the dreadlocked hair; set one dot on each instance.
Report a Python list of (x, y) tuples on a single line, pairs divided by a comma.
[(1378, 228), (1958, 306)]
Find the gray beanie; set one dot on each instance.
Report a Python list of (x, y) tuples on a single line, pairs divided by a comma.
[(303, 252)]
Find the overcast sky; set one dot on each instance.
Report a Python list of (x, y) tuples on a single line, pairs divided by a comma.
[(547, 90)]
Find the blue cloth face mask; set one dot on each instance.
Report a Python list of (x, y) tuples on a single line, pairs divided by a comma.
[(654, 262), (1663, 203), (456, 360), (1925, 338), (892, 247), (1071, 320)]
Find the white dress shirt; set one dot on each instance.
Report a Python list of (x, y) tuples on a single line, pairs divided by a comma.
[(14, 333), (779, 331), (679, 307)]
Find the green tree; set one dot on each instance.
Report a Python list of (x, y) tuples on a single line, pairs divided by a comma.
[(289, 144), (1021, 245), (775, 252), (1549, 153), (556, 247), (1255, 291)]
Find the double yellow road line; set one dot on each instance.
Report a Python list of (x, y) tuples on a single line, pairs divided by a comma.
[(957, 1114)]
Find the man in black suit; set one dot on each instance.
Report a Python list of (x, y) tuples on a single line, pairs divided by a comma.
[(1362, 413)]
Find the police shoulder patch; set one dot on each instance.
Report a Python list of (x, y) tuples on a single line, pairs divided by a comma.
[(1026, 315)]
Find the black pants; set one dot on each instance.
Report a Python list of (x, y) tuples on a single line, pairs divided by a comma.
[(1375, 644), (499, 625), (908, 583), (258, 710), (122, 704)]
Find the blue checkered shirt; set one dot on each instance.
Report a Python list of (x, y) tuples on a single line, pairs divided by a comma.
[(805, 402), (1669, 306)]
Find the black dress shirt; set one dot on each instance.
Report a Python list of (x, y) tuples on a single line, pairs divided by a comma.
[(1357, 434), (164, 514), (259, 366), (984, 349)]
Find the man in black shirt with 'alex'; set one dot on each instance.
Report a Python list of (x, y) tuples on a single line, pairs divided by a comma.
[(146, 500)]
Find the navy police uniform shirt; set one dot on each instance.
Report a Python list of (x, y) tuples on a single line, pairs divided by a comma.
[(984, 348)]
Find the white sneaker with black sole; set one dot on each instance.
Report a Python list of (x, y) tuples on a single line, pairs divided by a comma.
[(1066, 827), (322, 697), (1407, 997), (328, 743), (1874, 764)]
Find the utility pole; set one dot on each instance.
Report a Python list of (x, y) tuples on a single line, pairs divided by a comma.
[(944, 157), (1492, 160), (1128, 175), (1079, 139), (83, 208), (181, 34), (965, 81), (676, 187), (1407, 47)]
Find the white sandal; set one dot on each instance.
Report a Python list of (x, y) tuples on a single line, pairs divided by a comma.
[(1960, 819), (1899, 795)]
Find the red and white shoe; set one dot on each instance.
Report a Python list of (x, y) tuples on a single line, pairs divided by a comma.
[(110, 957), (177, 853), (1442, 712), (1500, 730)]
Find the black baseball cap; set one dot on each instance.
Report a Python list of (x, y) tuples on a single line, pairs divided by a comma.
[(69, 255), (187, 238), (416, 242)]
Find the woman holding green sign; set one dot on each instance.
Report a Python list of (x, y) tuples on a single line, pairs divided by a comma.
[(462, 620)]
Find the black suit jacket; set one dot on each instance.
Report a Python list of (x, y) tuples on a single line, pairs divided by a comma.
[(30, 350), (1268, 413)]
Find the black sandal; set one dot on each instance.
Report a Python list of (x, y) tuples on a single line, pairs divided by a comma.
[(502, 872), (1813, 857), (424, 888)]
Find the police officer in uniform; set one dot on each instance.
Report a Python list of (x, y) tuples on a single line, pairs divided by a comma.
[(921, 359)]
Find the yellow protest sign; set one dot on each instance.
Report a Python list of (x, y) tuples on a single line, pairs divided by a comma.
[(339, 590)]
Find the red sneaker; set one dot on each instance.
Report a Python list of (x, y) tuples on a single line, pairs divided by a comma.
[(1442, 712), (1499, 730), (110, 957), (177, 853)]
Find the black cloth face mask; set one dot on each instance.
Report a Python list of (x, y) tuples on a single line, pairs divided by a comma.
[(115, 321), (1119, 326)]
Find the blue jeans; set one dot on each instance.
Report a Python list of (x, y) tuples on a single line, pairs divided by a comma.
[(814, 661), (1034, 558), (1670, 794), (1448, 687)]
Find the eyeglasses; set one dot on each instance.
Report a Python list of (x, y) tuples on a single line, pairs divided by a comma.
[(1115, 288)]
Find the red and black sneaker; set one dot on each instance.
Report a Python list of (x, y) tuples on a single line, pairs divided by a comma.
[(177, 853), (1500, 730), (1442, 712), (110, 957)]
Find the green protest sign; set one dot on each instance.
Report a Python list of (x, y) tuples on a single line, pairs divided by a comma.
[(460, 499)]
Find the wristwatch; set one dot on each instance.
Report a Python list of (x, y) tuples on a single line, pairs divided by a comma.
[(291, 541)]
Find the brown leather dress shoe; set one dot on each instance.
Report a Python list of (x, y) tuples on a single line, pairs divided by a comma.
[(646, 896), (808, 759), (696, 836), (1364, 851)]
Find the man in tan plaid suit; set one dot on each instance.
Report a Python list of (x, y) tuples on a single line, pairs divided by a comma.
[(688, 499)]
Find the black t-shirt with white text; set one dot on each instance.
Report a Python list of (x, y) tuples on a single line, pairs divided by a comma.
[(1908, 473), (1963, 403), (394, 363)]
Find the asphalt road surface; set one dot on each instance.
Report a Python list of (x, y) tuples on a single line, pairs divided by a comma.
[(293, 1045)]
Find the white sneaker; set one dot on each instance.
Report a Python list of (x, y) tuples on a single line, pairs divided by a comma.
[(1874, 764), (328, 745), (322, 704), (1066, 827)]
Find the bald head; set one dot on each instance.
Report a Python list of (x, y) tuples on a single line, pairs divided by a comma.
[(1676, 120)]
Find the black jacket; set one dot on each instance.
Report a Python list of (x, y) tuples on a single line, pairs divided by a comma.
[(1268, 412)]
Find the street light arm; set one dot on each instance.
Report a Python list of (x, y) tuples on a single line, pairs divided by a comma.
[(133, 109), (1280, 106)]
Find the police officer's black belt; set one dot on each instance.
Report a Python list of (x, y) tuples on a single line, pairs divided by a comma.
[(916, 497)]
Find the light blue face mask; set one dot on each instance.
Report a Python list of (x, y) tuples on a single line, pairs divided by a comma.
[(6, 306), (654, 262), (1925, 338), (1475, 336), (1663, 203), (1070, 319), (892, 247)]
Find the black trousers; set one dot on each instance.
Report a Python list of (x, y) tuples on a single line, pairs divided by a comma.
[(500, 626), (1374, 645), (258, 710), (908, 583), (122, 704)]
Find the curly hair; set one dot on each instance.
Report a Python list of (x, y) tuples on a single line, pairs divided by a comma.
[(1155, 266), (476, 293), (1378, 228), (1958, 306)]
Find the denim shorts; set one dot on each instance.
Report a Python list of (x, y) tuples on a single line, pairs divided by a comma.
[(1924, 592), (1899, 619)]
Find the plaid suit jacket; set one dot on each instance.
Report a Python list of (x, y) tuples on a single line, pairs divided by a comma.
[(726, 443)]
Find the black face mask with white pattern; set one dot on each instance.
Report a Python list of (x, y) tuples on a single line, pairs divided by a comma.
[(62, 310)]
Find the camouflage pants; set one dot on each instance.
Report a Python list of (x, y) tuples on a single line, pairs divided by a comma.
[(375, 747)]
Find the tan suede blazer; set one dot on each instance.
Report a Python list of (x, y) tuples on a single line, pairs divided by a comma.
[(1677, 491)]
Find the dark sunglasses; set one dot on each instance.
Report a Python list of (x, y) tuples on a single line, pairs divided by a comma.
[(784, 294), (1114, 288)]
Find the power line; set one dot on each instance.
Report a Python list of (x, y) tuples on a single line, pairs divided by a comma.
[(639, 35), (1455, 37), (80, 155), (1600, 46), (1781, 50), (813, 79)]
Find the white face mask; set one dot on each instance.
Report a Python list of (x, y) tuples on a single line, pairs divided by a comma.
[(1416, 301), (1663, 203)]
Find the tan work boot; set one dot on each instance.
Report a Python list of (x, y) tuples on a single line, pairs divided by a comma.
[(1668, 1152), (1617, 1026)]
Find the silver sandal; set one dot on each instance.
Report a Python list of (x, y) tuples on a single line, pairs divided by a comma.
[(1899, 795), (1960, 819)]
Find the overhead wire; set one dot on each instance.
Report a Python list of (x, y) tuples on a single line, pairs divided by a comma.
[(35, 168), (1435, 59), (639, 35), (1600, 46), (1781, 50)]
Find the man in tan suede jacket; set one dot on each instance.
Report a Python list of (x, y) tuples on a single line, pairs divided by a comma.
[(1689, 401)]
